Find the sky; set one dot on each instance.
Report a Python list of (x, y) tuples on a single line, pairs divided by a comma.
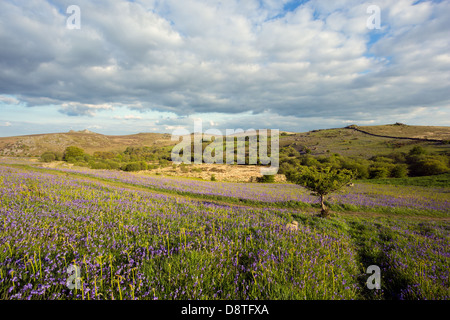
[(157, 66)]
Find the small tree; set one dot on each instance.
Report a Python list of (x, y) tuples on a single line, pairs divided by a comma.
[(321, 181)]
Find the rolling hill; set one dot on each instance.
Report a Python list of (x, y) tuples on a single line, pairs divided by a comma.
[(35, 145), (364, 141)]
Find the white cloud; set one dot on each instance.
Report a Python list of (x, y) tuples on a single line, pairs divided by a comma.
[(8, 100), (228, 57), (128, 117)]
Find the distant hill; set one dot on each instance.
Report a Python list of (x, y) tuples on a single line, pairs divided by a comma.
[(35, 145), (345, 141), (367, 141)]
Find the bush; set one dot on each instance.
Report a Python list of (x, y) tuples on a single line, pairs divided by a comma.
[(417, 150), (99, 165), (133, 166), (71, 160), (399, 171), (73, 152), (143, 165), (429, 167), (48, 156), (213, 177), (112, 164), (163, 163), (379, 172), (266, 179), (361, 171)]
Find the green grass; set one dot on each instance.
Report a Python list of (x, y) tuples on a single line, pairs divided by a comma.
[(218, 199), (190, 250)]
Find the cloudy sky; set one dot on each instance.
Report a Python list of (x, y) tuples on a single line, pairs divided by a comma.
[(158, 65)]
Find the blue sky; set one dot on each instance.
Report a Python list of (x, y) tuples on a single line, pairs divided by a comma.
[(155, 66)]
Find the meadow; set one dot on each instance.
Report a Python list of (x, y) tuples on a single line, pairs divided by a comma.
[(400, 199), (131, 240)]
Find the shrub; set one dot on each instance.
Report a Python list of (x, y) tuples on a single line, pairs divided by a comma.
[(379, 172), (48, 156), (73, 152), (399, 171), (428, 167), (266, 179), (143, 165), (213, 177), (99, 165), (133, 166), (71, 160), (417, 150), (163, 163)]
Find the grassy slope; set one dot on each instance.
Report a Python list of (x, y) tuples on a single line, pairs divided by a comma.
[(352, 143), (35, 145), (422, 132), (343, 141)]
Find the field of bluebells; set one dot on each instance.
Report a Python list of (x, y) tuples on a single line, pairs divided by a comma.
[(130, 243), (387, 198)]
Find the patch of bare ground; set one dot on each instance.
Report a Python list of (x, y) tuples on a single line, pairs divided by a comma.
[(221, 172), (56, 164)]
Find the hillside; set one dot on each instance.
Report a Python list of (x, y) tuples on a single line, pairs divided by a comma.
[(350, 142), (35, 145), (345, 141)]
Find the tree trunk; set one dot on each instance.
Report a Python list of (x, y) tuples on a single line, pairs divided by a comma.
[(324, 211)]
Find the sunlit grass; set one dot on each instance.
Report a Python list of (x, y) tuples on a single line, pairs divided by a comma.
[(134, 244)]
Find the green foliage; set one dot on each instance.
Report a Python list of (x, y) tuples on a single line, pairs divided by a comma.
[(322, 181), (99, 165), (48, 156), (428, 167), (73, 152), (417, 150), (213, 177), (163, 163), (104, 155), (424, 165), (379, 171), (418, 162), (266, 179), (399, 171), (135, 166)]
